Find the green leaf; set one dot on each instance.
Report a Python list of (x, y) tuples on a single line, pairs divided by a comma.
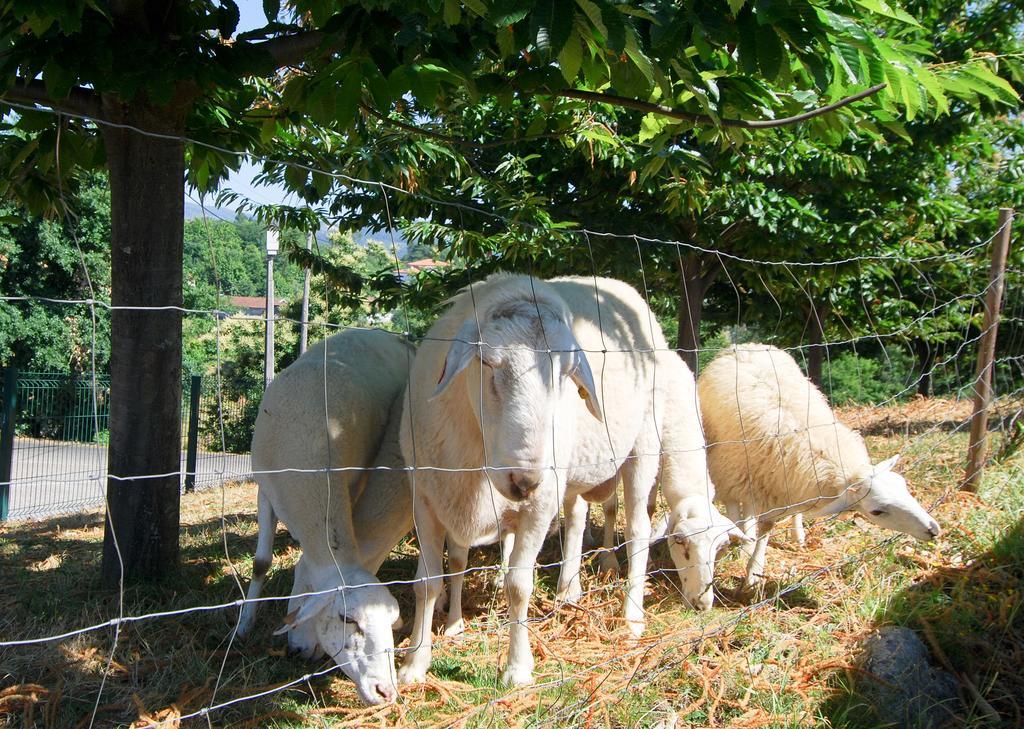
[(1003, 91), (380, 90), (40, 22), (883, 8), (58, 79), (452, 12), (747, 46), (268, 130), (476, 7), (346, 102), (593, 13), (616, 26), (641, 61), (651, 126), (932, 87), (322, 183), (509, 12), (736, 6), (537, 126), (562, 17), (506, 41), (570, 58), (295, 177), (770, 52)]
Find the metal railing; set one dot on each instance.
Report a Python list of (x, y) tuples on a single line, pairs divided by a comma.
[(55, 426)]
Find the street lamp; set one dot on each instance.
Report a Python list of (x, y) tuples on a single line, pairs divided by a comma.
[(268, 362), (304, 323)]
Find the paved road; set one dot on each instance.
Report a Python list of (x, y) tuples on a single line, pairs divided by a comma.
[(53, 477)]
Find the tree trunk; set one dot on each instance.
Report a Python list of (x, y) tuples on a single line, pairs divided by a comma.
[(816, 350), (147, 214), (692, 286), (925, 361)]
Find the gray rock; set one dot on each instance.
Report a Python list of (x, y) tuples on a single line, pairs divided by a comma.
[(910, 691)]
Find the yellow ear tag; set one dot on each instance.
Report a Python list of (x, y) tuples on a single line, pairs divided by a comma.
[(583, 393)]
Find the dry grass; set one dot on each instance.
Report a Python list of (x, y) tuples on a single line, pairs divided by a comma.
[(790, 660)]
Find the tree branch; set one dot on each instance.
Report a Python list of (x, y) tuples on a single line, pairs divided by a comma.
[(458, 141), (85, 102), (645, 106), (287, 50)]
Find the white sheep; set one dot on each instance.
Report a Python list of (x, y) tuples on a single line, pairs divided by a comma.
[(775, 448), (697, 530), (346, 521), (525, 427)]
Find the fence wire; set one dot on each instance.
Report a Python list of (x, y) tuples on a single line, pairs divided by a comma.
[(919, 448)]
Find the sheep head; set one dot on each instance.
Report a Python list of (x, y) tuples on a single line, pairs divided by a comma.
[(883, 499), (354, 627), (524, 372), (697, 532)]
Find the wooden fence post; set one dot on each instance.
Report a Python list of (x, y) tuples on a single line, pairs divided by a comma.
[(986, 353)]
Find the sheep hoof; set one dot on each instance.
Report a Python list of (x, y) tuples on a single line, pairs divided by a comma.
[(514, 676), (636, 627), (571, 593), (456, 628), (410, 675)]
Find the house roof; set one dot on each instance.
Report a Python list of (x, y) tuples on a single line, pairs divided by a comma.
[(423, 264), (252, 302)]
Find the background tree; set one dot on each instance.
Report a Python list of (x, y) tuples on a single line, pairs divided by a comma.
[(149, 73)]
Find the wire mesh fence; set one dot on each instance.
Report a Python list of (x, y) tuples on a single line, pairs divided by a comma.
[(61, 426), (172, 657)]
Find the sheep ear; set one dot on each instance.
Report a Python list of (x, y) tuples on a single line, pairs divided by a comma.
[(838, 504), (310, 608), (584, 378), (887, 465), (463, 349)]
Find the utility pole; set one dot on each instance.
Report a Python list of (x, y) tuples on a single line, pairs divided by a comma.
[(304, 318), (268, 362)]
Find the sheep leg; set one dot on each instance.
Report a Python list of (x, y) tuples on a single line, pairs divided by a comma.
[(748, 525), (638, 479), (533, 527), (458, 558), (302, 640), (608, 562), (430, 534), (576, 512), (589, 541), (755, 567), (267, 521), (508, 541), (796, 530)]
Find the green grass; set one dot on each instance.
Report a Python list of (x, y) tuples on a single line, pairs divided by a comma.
[(791, 662)]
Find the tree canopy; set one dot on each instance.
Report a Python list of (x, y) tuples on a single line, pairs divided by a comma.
[(158, 91)]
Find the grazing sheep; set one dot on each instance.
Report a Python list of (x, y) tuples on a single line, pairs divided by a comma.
[(504, 420), (696, 530), (775, 448), (346, 520)]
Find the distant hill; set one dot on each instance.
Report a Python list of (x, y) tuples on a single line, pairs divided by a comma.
[(195, 211), (361, 237)]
